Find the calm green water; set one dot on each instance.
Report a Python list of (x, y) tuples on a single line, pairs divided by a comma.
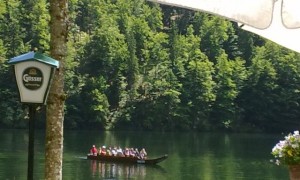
[(192, 156)]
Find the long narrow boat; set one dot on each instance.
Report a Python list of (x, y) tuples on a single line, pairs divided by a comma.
[(131, 160)]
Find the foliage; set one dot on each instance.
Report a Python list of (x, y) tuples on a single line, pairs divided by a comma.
[(287, 151), (134, 64), (230, 78)]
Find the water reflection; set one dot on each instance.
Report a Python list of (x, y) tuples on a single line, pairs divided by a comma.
[(108, 170), (114, 170)]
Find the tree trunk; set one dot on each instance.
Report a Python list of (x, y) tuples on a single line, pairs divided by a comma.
[(56, 99)]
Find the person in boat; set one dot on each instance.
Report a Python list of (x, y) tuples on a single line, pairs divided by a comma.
[(103, 151), (143, 154), (94, 151), (99, 151), (127, 152), (132, 152), (120, 152), (114, 151), (137, 154), (109, 151)]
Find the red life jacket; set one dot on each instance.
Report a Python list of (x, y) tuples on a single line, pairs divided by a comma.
[(94, 150)]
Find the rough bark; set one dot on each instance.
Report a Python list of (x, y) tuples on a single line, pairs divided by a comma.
[(56, 99)]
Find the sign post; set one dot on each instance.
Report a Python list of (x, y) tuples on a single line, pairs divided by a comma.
[(34, 73), (32, 112)]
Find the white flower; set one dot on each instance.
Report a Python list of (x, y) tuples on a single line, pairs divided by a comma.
[(287, 151)]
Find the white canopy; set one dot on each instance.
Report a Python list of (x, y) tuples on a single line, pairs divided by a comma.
[(277, 20)]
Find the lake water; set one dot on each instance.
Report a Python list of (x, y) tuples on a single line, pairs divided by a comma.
[(192, 156)]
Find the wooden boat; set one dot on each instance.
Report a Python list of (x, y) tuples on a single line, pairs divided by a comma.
[(131, 160)]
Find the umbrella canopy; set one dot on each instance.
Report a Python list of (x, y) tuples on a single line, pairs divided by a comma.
[(277, 20)]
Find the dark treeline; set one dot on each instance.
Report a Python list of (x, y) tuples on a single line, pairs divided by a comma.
[(137, 65)]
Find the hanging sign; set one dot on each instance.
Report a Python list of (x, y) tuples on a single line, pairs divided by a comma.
[(34, 73)]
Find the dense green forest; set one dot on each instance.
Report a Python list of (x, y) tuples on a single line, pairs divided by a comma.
[(137, 65)]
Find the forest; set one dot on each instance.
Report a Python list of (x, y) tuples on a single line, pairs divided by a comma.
[(137, 65)]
